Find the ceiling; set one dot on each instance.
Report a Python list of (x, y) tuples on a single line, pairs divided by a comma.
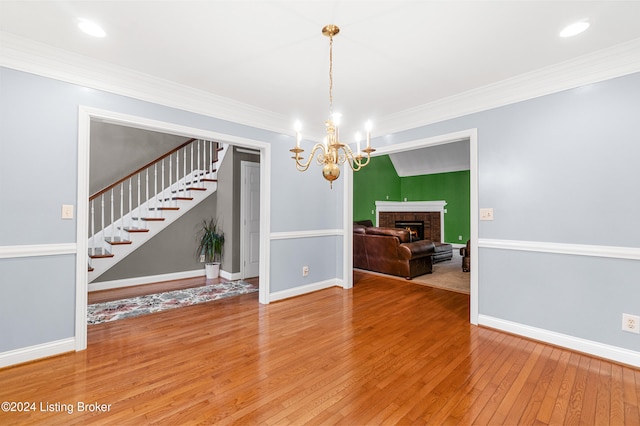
[(390, 56)]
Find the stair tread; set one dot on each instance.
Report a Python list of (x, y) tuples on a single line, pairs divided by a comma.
[(117, 241), (178, 198), (149, 219), (135, 229), (99, 252), (165, 208)]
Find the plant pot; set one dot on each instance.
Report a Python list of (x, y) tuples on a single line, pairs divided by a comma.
[(212, 270)]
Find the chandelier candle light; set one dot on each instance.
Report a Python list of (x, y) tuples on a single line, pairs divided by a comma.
[(332, 153)]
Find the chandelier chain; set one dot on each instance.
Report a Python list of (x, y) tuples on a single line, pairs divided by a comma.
[(331, 73)]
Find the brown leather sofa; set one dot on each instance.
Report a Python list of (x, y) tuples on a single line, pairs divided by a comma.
[(389, 251)]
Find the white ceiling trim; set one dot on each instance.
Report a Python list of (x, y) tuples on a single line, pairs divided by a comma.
[(622, 59), (430, 171), (38, 58)]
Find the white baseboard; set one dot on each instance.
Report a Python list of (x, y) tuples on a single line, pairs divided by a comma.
[(32, 353), (231, 276), (310, 288), (152, 279), (613, 353), (149, 279)]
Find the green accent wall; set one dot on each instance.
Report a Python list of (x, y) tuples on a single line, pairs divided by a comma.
[(379, 180)]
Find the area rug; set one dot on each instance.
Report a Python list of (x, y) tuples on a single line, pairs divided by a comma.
[(99, 313), (446, 275)]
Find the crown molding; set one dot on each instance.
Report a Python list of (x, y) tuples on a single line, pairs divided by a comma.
[(617, 61), (41, 59)]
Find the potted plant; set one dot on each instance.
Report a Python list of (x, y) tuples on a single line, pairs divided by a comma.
[(210, 247)]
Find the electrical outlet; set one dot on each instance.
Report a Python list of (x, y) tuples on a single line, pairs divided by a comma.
[(202, 258), (459, 237), (305, 271), (631, 323)]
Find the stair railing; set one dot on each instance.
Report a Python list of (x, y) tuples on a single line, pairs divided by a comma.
[(130, 203)]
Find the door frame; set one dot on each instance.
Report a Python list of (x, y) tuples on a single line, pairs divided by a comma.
[(85, 115), (472, 136)]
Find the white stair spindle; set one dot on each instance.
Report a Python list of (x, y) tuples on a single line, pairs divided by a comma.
[(121, 211), (162, 182), (170, 181), (155, 183), (192, 173), (102, 243), (139, 207), (177, 178), (211, 153), (112, 221), (184, 168), (199, 164), (146, 187), (130, 204), (93, 232)]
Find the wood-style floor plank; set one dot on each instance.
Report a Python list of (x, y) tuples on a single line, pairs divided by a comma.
[(386, 352)]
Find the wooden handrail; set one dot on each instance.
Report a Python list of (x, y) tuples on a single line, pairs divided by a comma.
[(149, 164)]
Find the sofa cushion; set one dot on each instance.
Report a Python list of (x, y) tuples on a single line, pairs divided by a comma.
[(366, 222), (401, 234), (359, 229)]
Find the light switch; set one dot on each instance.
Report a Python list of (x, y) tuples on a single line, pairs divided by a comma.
[(67, 211), (486, 214)]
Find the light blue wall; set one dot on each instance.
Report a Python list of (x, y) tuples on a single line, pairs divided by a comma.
[(37, 302), (38, 163), (559, 169)]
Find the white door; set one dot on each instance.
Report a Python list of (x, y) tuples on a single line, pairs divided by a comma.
[(250, 219)]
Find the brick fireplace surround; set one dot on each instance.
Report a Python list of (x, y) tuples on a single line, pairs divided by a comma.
[(430, 213)]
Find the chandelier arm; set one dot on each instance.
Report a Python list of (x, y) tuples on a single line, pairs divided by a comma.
[(355, 161), (359, 163), (302, 166)]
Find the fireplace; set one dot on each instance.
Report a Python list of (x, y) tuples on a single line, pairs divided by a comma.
[(415, 228)]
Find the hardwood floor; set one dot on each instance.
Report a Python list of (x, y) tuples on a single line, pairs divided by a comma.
[(386, 352)]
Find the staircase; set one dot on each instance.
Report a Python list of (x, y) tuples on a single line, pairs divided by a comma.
[(131, 211)]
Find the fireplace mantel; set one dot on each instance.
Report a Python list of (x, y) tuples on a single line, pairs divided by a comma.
[(412, 206)]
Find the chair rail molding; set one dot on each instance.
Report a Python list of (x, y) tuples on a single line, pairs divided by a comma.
[(632, 253), (9, 252)]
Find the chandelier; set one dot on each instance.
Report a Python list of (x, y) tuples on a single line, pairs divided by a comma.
[(331, 152)]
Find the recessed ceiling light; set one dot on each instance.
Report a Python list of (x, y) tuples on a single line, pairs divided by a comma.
[(91, 28), (574, 29)]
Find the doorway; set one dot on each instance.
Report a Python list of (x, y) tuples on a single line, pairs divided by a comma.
[(85, 116), (472, 136)]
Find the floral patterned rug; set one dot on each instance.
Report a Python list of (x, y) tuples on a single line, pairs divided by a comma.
[(99, 313)]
